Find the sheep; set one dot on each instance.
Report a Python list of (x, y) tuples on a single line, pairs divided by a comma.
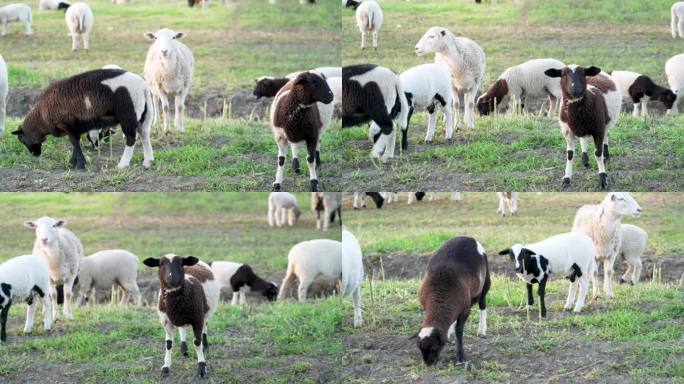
[(352, 272), (639, 89), (568, 255), (602, 224), (631, 248), (519, 83), (590, 106), (63, 252), (91, 100), (375, 196), (374, 93), (457, 276), (674, 69), (240, 278), (329, 203), (300, 112), (169, 67), (105, 269), (466, 62), (311, 259), (192, 3), (677, 20), (16, 12), (4, 87), (508, 201), (368, 19), (79, 20), (282, 205), (46, 5), (268, 86), (24, 278), (188, 296)]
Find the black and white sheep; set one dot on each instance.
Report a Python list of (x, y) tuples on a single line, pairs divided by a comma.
[(24, 278), (109, 268), (79, 20), (4, 88), (92, 100), (300, 112), (569, 255), (639, 89), (361, 196), (188, 296), (674, 69), (240, 278), (456, 278), (372, 93), (368, 18), (16, 12), (282, 207), (590, 107), (309, 260), (328, 203)]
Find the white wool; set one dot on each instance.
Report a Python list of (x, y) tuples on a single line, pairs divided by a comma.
[(369, 19), (223, 271), (309, 260), (613, 105), (335, 84), (631, 248), (16, 13), (677, 20), (674, 69), (623, 80), (4, 87), (352, 272), (107, 268), (325, 71), (79, 19), (282, 206), (508, 202)]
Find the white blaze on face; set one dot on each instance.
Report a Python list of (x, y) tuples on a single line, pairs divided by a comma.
[(425, 332)]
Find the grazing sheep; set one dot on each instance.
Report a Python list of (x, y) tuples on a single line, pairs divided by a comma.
[(64, 255), (569, 255), (300, 112), (508, 202), (457, 277), (240, 278), (519, 83), (352, 272), (188, 296), (328, 203), (282, 205), (374, 93), (311, 259), (368, 19), (79, 20), (602, 223), (16, 12), (24, 278), (105, 269), (169, 67), (677, 20), (674, 69), (4, 87), (375, 196), (639, 89), (590, 107), (47, 5), (465, 60), (631, 248), (91, 101)]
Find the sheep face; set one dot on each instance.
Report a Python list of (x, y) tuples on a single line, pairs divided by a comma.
[(313, 88), (5, 295), (32, 140), (624, 204), (46, 229), (271, 293), (171, 272), (430, 343), (431, 41), (494, 96), (573, 79), (528, 265), (163, 41), (667, 98)]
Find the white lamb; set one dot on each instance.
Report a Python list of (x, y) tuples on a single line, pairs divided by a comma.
[(309, 260), (674, 69), (4, 87), (105, 269), (508, 202), (169, 67), (282, 206), (677, 20), (352, 272), (79, 20), (602, 223), (64, 254), (24, 278), (16, 12), (632, 247), (466, 62), (368, 19)]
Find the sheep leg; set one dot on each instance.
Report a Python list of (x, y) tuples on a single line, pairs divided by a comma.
[(363, 40), (326, 218), (584, 144), (606, 154), (47, 311), (673, 27), (199, 349), (3, 322), (285, 284), (469, 105), (608, 277), (594, 281), (180, 110), (4, 27), (600, 159), (570, 145), (30, 313), (482, 302), (552, 106), (27, 28), (86, 41), (530, 295), (74, 41), (128, 149), (148, 154), (304, 284), (680, 28), (541, 291), (169, 329), (295, 159), (627, 275), (449, 114), (432, 123), (456, 107), (644, 108), (281, 140), (271, 213), (637, 271), (243, 296), (311, 163), (68, 294), (583, 288), (77, 155), (234, 301), (572, 292), (3, 112), (375, 39), (358, 320), (53, 297), (460, 325), (205, 342), (318, 153), (183, 332), (165, 110), (635, 110), (389, 148)]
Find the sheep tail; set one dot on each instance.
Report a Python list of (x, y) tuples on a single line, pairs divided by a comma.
[(403, 113), (370, 19), (81, 23), (60, 294)]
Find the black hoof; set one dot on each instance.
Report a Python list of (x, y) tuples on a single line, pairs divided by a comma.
[(585, 160), (184, 349), (202, 370), (566, 182), (314, 185), (276, 187), (165, 371), (603, 181), (295, 165)]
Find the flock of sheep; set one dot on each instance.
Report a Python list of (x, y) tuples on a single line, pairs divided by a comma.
[(590, 99)]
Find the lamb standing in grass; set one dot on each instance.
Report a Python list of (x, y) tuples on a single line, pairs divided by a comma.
[(352, 272), (105, 269), (674, 69), (24, 278), (79, 20), (282, 206), (240, 278), (368, 19), (465, 60), (16, 12), (4, 87), (508, 202), (311, 259), (677, 20), (639, 89), (631, 248)]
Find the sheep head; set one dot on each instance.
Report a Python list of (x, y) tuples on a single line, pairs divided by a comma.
[(432, 40), (622, 203), (171, 271), (46, 229), (430, 342), (164, 42), (313, 88), (573, 79)]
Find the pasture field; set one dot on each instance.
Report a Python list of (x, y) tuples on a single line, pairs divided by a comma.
[(523, 152), (276, 343), (229, 145), (635, 337)]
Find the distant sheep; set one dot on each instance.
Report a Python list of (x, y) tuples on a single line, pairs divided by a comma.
[(352, 272), (508, 202), (109, 268), (327, 203), (45, 5), (311, 259), (677, 20), (361, 196), (240, 278), (368, 19), (16, 12), (282, 206), (4, 87), (639, 89), (79, 20), (631, 248), (674, 69)]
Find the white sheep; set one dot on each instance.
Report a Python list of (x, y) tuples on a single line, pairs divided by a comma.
[(16, 12), (674, 69), (602, 223), (368, 19), (79, 19), (677, 20), (64, 254), (352, 272), (108, 268), (24, 278), (169, 67), (309, 260), (282, 206), (631, 248), (45, 5), (508, 202), (466, 62), (4, 87)]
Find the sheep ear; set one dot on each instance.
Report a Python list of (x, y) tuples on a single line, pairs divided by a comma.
[(505, 252), (29, 224), (300, 80), (613, 197), (60, 223), (528, 252), (442, 32), (150, 36), (592, 71), (552, 72), (179, 35), (151, 262), (190, 260)]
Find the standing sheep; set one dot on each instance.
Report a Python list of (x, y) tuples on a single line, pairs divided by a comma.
[(631, 248), (282, 206), (602, 223), (352, 272), (4, 87), (677, 20), (311, 259), (16, 12), (105, 269), (79, 20), (329, 203), (465, 60), (674, 69), (64, 254), (368, 19), (639, 89), (169, 67), (508, 202), (240, 278)]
